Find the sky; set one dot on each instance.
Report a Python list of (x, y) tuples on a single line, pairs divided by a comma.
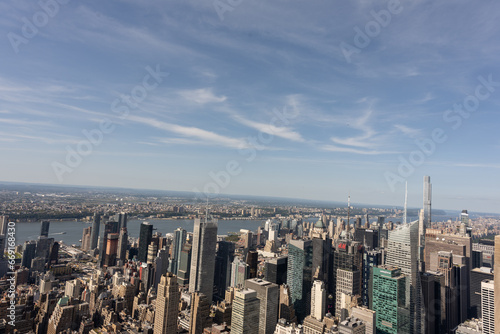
[(302, 99)]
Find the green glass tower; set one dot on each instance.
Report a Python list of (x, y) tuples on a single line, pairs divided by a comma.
[(389, 300)]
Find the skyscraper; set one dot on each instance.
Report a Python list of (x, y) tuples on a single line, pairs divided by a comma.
[(179, 241), (347, 287), (202, 258), (145, 235), (245, 317), (268, 295), (402, 252), (299, 275), (488, 306), (427, 200), (200, 313), (389, 300), (223, 260), (95, 231), (318, 300), (86, 238), (184, 265), (44, 229), (29, 253), (167, 305), (122, 244)]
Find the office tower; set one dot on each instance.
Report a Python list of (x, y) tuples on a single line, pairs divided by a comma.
[(29, 253), (222, 273), (268, 295), (318, 300), (111, 249), (184, 265), (103, 241), (389, 300), (367, 316), (402, 252), (252, 261), (347, 288), (322, 259), (122, 245), (121, 218), (167, 305), (202, 259), (299, 275), (43, 246), (179, 241), (54, 253), (369, 238), (152, 252), (200, 313), (371, 258), (95, 231), (286, 310), (86, 238), (246, 309), (347, 255), (431, 301), (275, 270), (497, 280), (160, 267), (145, 235), (44, 228), (72, 288), (352, 325), (488, 306), (4, 223), (239, 273), (477, 275), (454, 292)]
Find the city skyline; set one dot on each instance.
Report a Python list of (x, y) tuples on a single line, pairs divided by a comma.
[(329, 116)]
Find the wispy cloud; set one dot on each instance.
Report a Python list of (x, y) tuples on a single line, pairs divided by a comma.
[(192, 132), (410, 132), (333, 148), (202, 96)]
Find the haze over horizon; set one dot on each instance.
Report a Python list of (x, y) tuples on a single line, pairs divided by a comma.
[(286, 97)]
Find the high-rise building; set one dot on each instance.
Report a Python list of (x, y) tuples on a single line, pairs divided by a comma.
[(95, 231), (431, 301), (200, 313), (275, 270), (322, 257), (390, 300), (268, 295), (352, 325), (497, 280), (286, 310), (103, 240), (61, 318), (145, 235), (318, 300), (44, 228), (488, 307), (402, 252), (121, 218), (167, 305), (161, 266), (253, 262), (367, 316), (348, 283), (299, 275), (477, 275), (122, 244), (111, 249), (347, 255), (86, 238), (152, 252), (202, 259), (184, 269), (246, 310), (29, 253), (427, 200), (371, 258), (222, 273), (180, 235)]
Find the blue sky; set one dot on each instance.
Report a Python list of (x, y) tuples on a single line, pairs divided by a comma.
[(350, 121)]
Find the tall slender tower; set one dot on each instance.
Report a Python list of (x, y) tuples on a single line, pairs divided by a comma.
[(44, 230), (179, 241), (95, 231), (167, 305), (145, 236), (405, 215), (497, 282), (427, 200), (201, 278)]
